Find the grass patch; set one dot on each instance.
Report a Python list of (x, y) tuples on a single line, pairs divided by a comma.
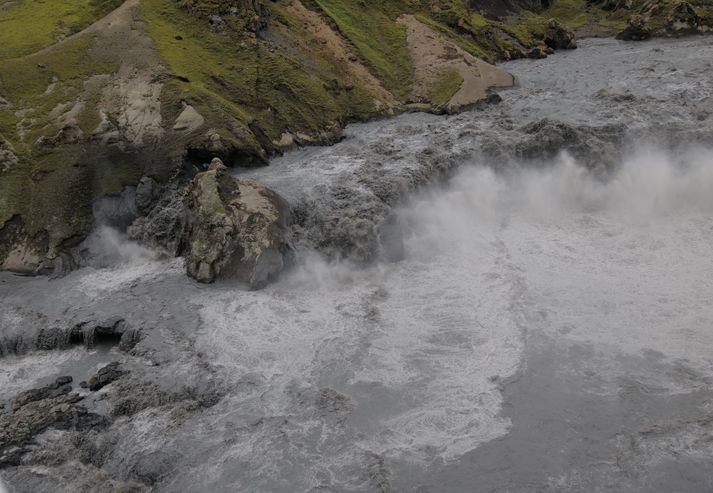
[(25, 82), (572, 13), (377, 37), (30, 25), (478, 20), (471, 44), (447, 85), (229, 76)]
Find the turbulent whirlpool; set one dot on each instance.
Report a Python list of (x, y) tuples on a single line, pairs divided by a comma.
[(515, 298)]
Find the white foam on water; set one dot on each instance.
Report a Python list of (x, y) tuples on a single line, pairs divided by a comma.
[(18, 373), (625, 263), (116, 263), (420, 346)]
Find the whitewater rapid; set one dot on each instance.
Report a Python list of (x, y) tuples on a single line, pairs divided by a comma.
[(528, 320)]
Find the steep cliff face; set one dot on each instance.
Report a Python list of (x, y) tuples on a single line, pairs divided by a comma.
[(100, 93)]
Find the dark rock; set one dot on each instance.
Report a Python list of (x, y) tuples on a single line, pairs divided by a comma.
[(595, 147), (104, 331), (129, 339), (11, 456), (83, 384), (162, 226), (90, 333), (491, 99), (52, 338), (682, 19), (147, 191), (63, 380), (217, 24), (636, 29), (536, 54), (558, 37), (480, 105), (235, 229), (35, 416), (129, 398), (105, 376), (58, 388)]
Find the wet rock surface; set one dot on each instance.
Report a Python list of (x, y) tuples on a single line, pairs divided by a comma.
[(33, 411), (60, 387), (105, 376), (46, 335), (147, 191), (160, 226), (558, 37), (225, 228), (235, 229), (636, 29)]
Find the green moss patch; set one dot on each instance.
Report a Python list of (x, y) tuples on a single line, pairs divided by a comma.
[(380, 40), (571, 13), (36, 84), (30, 25), (229, 76), (445, 87)]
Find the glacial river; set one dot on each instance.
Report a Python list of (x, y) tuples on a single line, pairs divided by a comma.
[(517, 298)]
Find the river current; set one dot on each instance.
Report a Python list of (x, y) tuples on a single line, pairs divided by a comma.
[(517, 298)]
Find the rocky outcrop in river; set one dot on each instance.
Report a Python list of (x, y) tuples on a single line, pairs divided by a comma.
[(234, 229)]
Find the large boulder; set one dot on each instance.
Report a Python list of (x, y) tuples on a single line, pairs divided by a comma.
[(558, 37), (682, 19), (636, 29), (234, 229)]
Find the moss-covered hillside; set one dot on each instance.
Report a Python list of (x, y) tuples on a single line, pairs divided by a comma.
[(95, 94)]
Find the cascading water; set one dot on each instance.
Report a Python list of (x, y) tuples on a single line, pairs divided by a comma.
[(514, 299)]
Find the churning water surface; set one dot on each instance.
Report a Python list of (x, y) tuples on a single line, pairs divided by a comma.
[(536, 314)]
